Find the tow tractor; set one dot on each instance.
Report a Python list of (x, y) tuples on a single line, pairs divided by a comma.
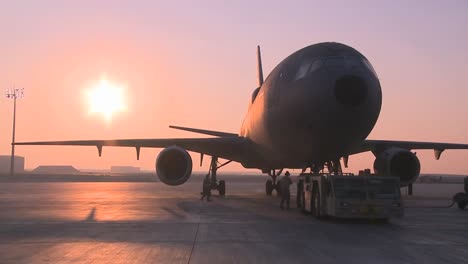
[(346, 195)]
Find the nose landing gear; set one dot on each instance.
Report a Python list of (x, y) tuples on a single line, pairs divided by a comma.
[(272, 184), (215, 185), (333, 166)]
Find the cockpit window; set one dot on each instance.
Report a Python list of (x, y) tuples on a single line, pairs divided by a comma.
[(301, 73), (310, 65), (307, 67), (315, 66), (348, 62), (335, 62)]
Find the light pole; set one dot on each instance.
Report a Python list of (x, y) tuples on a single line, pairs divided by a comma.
[(13, 94)]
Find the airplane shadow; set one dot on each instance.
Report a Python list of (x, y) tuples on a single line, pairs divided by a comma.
[(91, 216), (180, 224)]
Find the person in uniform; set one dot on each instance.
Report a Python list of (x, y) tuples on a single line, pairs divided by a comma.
[(284, 187), (206, 192)]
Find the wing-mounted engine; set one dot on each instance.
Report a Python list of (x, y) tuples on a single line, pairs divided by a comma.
[(174, 166), (397, 162)]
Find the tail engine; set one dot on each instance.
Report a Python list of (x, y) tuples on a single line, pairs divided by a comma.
[(396, 162), (174, 166)]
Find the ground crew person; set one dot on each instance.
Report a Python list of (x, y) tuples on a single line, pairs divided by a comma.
[(206, 188), (285, 182)]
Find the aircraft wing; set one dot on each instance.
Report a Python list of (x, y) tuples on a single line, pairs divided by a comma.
[(231, 148), (376, 145), (206, 132)]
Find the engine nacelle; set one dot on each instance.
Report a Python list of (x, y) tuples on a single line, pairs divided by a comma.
[(174, 165), (396, 162)]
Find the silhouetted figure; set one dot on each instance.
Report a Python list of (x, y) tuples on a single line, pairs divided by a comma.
[(284, 183), (206, 188)]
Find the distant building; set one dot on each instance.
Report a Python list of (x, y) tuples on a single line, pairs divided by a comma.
[(55, 170), (124, 169), (5, 161)]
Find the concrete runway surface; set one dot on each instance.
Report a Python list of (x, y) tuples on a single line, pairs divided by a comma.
[(148, 222)]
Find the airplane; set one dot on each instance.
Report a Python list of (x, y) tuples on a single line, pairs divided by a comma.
[(315, 108)]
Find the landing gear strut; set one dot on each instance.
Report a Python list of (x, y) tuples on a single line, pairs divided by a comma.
[(334, 167), (215, 185), (272, 183)]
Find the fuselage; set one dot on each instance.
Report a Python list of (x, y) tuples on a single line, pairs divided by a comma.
[(315, 106)]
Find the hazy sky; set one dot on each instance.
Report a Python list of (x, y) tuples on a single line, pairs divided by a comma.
[(192, 63)]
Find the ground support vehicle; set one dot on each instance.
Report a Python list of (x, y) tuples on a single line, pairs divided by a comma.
[(350, 196)]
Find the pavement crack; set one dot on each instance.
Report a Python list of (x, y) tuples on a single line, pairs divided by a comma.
[(194, 240)]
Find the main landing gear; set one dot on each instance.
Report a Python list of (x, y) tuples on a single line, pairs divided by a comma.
[(462, 198), (215, 185), (272, 184)]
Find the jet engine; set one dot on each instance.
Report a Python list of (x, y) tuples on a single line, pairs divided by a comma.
[(174, 165), (396, 162)]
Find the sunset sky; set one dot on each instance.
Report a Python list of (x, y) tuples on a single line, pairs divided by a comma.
[(192, 63)]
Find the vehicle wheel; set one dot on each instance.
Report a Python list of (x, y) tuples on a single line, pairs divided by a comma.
[(459, 197), (269, 187), (316, 202), (222, 188), (461, 205)]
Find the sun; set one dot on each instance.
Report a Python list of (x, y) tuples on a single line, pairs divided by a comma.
[(107, 99)]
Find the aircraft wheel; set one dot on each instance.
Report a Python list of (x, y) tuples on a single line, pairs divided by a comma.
[(316, 202), (461, 199), (269, 187), (222, 188), (461, 205)]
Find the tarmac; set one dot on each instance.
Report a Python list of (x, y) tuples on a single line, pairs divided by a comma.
[(149, 222)]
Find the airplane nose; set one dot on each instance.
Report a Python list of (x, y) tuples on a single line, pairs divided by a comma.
[(350, 90)]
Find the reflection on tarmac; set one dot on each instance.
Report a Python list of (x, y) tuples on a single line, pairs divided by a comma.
[(153, 223)]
